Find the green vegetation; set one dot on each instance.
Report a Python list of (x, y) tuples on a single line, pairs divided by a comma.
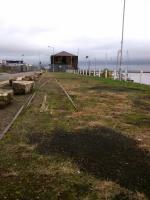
[(101, 151)]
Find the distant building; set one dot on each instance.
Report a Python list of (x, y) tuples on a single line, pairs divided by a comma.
[(64, 61), (14, 66), (12, 62)]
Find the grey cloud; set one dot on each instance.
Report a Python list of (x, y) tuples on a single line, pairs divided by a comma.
[(37, 30), (16, 41)]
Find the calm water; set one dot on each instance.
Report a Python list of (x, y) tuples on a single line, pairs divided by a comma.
[(145, 78)]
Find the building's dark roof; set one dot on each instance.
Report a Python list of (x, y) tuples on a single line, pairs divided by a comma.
[(14, 61), (64, 53)]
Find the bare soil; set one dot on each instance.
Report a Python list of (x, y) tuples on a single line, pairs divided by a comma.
[(101, 151)]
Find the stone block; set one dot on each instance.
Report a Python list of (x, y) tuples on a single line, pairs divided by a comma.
[(30, 78), (6, 96), (38, 74), (22, 87), (15, 79)]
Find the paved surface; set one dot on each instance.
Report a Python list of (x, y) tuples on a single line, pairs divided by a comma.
[(6, 76)]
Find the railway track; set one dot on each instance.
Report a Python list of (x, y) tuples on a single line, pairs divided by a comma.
[(23, 107), (67, 95), (40, 84)]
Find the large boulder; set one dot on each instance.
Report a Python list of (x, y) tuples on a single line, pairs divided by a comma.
[(30, 78), (15, 79), (22, 87), (6, 97), (11, 81), (38, 74)]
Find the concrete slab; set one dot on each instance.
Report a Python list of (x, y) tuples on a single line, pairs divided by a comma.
[(15, 79), (22, 87), (6, 97)]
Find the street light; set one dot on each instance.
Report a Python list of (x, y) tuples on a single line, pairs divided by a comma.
[(22, 57), (22, 62), (78, 58), (86, 57), (53, 55), (121, 50)]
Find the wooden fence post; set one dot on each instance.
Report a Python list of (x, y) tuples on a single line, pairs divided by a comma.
[(99, 73), (106, 73)]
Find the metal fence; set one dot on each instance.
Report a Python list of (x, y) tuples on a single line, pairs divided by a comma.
[(59, 68)]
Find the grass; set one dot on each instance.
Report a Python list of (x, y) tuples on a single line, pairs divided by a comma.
[(100, 151)]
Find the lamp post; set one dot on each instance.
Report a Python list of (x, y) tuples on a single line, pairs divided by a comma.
[(86, 57), (22, 57), (121, 50), (53, 55), (22, 62), (106, 57), (77, 58)]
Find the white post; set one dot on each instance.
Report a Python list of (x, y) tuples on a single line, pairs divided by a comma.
[(122, 40), (106, 73), (94, 72), (86, 72), (115, 74), (141, 73), (126, 75), (89, 72), (83, 71), (99, 74)]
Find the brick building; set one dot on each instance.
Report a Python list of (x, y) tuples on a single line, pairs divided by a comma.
[(64, 61)]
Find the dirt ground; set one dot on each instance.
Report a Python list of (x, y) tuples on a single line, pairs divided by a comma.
[(99, 151), (9, 111)]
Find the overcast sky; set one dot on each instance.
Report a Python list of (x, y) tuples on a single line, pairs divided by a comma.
[(94, 26)]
